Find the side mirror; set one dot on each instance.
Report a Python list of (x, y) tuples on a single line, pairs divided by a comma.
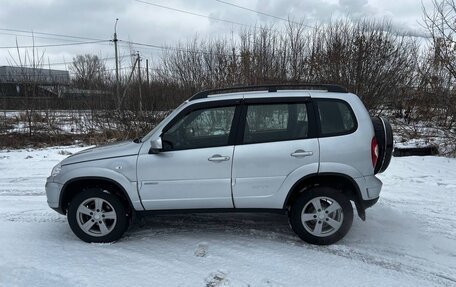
[(156, 146)]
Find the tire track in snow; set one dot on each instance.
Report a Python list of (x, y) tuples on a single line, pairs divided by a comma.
[(354, 254), (32, 216), (17, 275), (21, 192), (277, 232)]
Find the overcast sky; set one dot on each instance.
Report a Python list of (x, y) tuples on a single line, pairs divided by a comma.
[(140, 22)]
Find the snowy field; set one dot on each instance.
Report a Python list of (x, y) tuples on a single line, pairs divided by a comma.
[(409, 238)]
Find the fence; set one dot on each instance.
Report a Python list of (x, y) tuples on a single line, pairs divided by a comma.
[(47, 126)]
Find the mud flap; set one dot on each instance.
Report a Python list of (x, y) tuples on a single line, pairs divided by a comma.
[(360, 209)]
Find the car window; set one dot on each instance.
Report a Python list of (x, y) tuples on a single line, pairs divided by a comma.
[(200, 128), (276, 122), (336, 117)]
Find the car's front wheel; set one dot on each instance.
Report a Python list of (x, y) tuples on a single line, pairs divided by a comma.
[(321, 215), (97, 216)]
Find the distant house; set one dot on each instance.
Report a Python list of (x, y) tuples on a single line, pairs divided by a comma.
[(46, 88), (37, 82), (9, 74)]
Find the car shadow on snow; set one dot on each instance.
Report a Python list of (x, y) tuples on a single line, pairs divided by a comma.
[(262, 225)]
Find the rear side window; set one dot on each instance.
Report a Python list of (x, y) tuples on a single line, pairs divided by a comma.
[(276, 122), (336, 117)]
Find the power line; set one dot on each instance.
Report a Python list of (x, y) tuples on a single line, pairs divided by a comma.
[(140, 46), (54, 45), (67, 63), (194, 14), (70, 62), (51, 34), (42, 37), (36, 37), (411, 34), (264, 14), (166, 47), (43, 71)]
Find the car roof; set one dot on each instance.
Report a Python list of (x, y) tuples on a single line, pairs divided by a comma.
[(270, 89), (277, 94)]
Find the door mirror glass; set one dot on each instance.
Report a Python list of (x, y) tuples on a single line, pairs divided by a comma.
[(155, 146)]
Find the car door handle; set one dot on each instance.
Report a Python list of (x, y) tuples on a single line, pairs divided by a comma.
[(217, 157), (301, 153)]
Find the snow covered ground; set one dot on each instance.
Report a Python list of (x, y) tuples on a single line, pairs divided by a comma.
[(409, 238)]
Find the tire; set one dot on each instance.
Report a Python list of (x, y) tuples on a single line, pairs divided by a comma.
[(384, 135), (319, 227), (105, 225)]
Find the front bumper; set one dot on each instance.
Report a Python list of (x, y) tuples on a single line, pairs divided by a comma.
[(53, 193)]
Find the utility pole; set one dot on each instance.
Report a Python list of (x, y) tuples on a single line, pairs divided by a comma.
[(138, 59), (147, 78), (129, 79), (117, 62), (147, 72)]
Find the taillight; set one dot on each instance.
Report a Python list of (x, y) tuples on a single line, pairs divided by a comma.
[(374, 151)]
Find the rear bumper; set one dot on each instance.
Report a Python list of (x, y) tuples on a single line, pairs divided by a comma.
[(369, 186), (370, 202)]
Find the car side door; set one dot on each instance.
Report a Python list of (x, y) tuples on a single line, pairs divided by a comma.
[(193, 169), (277, 137)]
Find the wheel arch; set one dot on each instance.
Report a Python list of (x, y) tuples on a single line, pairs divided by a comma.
[(76, 185), (345, 183)]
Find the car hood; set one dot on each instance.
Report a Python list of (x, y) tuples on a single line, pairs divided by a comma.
[(103, 152)]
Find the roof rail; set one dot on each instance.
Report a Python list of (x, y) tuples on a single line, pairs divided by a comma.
[(271, 89)]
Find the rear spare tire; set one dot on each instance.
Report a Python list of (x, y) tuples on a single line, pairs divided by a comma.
[(384, 136)]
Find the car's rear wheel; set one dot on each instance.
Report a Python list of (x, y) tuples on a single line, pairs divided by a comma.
[(97, 216), (321, 216)]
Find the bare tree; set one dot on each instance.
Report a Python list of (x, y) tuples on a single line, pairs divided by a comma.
[(89, 71), (29, 76), (365, 56), (440, 22), (441, 25)]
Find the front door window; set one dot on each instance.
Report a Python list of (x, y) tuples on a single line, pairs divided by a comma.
[(200, 129)]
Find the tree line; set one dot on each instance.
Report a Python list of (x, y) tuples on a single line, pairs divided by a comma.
[(409, 77)]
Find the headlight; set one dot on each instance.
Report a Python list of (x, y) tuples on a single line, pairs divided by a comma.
[(56, 170)]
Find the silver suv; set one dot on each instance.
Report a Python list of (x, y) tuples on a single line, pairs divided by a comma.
[(305, 150)]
